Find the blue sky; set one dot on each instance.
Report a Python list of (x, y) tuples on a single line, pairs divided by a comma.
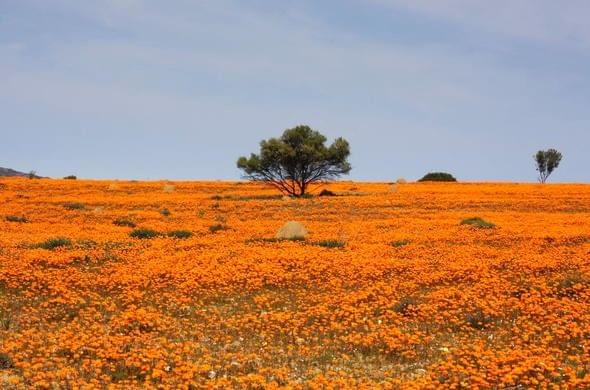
[(180, 89)]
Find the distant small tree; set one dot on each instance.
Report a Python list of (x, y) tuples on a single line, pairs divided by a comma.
[(438, 176), (296, 160), (32, 175), (547, 161)]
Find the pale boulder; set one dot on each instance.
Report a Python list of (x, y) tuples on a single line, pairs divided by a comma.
[(292, 231)]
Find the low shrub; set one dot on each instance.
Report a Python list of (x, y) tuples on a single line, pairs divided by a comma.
[(181, 234), (273, 240), (70, 177), (404, 304), (438, 176), (217, 227), (572, 284), (124, 222), (165, 212), (478, 320), (478, 223), (16, 218), (326, 192), (5, 361), (399, 243), (5, 320), (74, 206), (144, 233), (331, 244), (54, 243)]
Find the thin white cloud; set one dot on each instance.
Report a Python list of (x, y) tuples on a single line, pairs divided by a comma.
[(543, 21)]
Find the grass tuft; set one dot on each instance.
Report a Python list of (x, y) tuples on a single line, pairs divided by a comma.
[(180, 234), (124, 222), (144, 233), (5, 361), (54, 243), (16, 218), (399, 243), (74, 206), (331, 243), (217, 227), (478, 223), (326, 192)]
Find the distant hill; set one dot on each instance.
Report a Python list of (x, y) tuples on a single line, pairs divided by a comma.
[(11, 172)]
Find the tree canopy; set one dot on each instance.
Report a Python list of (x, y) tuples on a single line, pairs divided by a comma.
[(547, 161), (296, 160), (438, 176)]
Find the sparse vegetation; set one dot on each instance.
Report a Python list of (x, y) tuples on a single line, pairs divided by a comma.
[(5, 361), (331, 243), (274, 240), (74, 206), (70, 177), (572, 284), (180, 234), (124, 222), (478, 319), (400, 243), (16, 218), (477, 222), (144, 233), (404, 304), (54, 243), (217, 227), (326, 192)]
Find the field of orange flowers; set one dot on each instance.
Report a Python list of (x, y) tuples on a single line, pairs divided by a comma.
[(388, 290)]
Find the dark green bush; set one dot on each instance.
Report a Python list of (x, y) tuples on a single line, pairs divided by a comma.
[(326, 192), (331, 244), (70, 177), (400, 243), (5, 361), (74, 206), (144, 233), (438, 176), (165, 212), (16, 218), (478, 223), (180, 234), (124, 222), (54, 243)]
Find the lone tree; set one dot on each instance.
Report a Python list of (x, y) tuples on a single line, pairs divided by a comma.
[(296, 160), (438, 176), (547, 161)]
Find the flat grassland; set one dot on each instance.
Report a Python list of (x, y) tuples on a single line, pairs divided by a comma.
[(181, 285)]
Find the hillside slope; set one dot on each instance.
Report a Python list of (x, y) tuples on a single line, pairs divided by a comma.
[(11, 172)]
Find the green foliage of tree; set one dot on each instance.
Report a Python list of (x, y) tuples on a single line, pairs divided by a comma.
[(438, 176), (296, 160), (547, 161)]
